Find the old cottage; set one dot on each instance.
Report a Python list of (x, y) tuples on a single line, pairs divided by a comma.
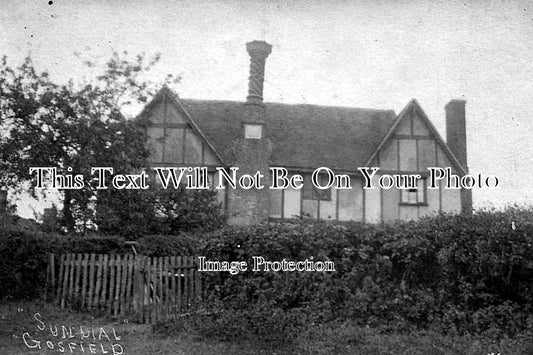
[(254, 136)]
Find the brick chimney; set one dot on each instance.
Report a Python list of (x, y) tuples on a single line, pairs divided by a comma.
[(456, 140), (258, 51), (456, 129), (252, 151), (254, 121)]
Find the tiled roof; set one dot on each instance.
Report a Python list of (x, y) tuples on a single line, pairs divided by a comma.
[(303, 136)]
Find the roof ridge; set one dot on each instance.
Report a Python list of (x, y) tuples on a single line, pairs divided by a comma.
[(290, 104)]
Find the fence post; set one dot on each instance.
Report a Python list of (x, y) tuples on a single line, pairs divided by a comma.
[(198, 280), (138, 286), (49, 287)]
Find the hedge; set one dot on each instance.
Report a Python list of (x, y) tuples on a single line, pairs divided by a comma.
[(454, 273)]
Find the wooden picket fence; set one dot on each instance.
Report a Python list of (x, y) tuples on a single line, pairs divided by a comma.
[(147, 289)]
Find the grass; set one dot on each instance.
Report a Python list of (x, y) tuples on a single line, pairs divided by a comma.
[(348, 339), (17, 318)]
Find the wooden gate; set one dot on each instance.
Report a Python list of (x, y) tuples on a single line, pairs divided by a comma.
[(145, 288)]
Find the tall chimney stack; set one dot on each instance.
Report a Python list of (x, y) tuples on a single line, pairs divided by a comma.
[(252, 150), (258, 51), (456, 129), (456, 140), (254, 118)]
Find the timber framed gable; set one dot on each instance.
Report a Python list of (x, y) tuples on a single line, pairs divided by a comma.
[(174, 137)]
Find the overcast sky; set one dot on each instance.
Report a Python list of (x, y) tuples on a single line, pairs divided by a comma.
[(375, 54)]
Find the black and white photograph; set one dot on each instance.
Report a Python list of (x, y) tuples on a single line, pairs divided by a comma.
[(266, 177)]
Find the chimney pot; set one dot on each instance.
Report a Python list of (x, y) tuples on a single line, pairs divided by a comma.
[(259, 49)]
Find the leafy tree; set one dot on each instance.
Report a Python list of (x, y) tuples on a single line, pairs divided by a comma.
[(158, 211), (74, 127)]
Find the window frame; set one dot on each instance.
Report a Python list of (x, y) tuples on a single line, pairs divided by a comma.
[(420, 190), (312, 193)]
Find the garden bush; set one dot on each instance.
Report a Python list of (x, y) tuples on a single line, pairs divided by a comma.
[(448, 273), (452, 273)]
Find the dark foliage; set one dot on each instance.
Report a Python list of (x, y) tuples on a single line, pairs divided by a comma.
[(453, 274), (465, 274), (134, 213), (72, 128)]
